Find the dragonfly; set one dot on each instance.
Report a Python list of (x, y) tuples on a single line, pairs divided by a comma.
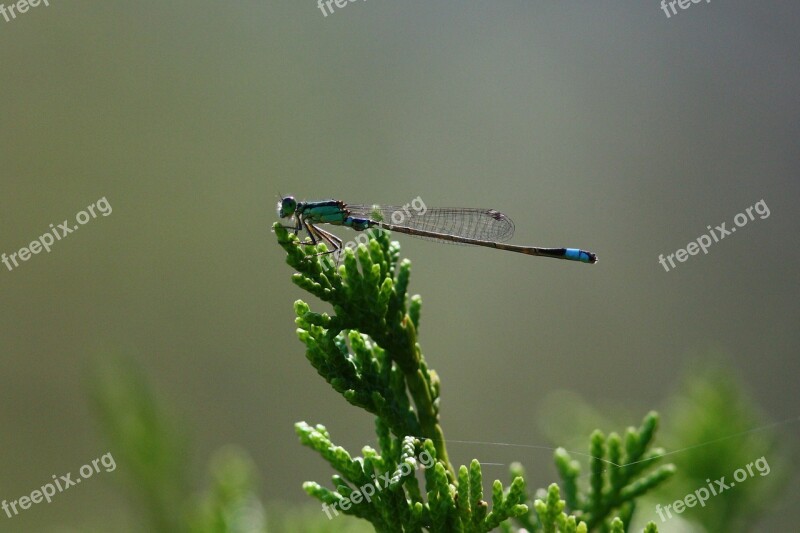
[(454, 225)]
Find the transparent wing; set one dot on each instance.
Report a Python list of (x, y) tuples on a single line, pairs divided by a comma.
[(472, 223)]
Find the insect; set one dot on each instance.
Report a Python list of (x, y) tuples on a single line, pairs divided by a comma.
[(456, 225)]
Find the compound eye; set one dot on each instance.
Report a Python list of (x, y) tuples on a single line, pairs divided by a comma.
[(287, 207)]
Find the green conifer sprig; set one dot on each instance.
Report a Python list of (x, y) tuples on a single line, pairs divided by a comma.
[(368, 352), (368, 295), (618, 490), (616, 480)]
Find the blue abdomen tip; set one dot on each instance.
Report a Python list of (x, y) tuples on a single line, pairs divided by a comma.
[(579, 255)]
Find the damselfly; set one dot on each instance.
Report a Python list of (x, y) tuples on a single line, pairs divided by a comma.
[(457, 225)]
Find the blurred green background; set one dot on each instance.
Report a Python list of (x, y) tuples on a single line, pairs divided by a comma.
[(605, 126)]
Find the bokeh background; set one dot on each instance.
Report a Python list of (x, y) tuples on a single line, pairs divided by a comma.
[(603, 125)]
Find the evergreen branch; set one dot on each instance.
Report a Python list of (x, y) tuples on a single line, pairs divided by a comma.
[(368, 351), (368, 294)]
